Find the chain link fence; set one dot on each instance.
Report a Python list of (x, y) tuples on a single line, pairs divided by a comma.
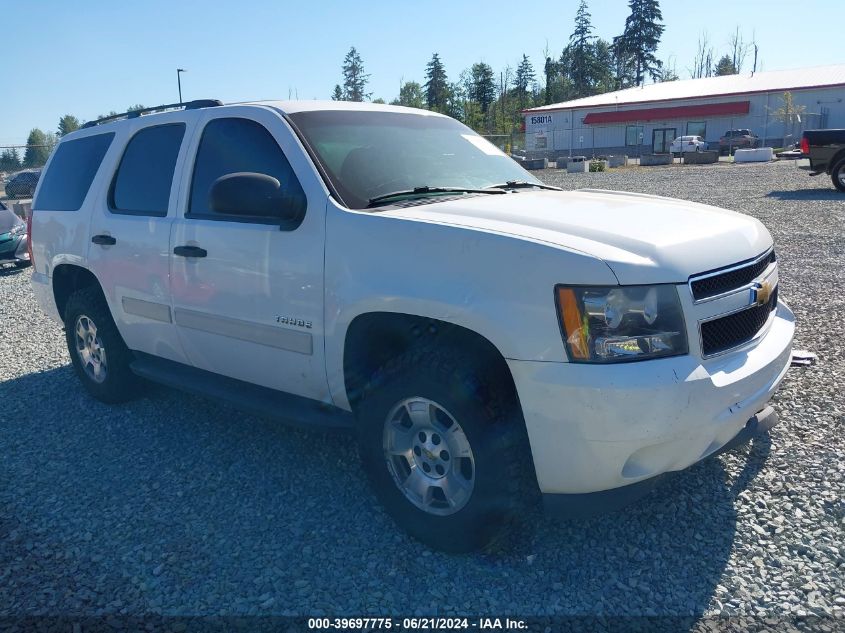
[(20, 168)]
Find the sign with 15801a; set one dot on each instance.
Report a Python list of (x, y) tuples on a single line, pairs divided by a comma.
[(541, 119)]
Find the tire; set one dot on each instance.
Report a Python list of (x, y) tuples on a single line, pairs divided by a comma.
[(444, 393), (23, 264), (837, 175), (97, 351)]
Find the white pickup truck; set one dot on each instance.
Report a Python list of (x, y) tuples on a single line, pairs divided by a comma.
[(388, 269)]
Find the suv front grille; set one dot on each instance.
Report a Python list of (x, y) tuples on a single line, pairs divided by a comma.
[(719, 283), (735, 329)]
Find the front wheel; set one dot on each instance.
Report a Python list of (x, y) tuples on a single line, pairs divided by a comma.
[(97, 351), (442, 447), (837, 174)]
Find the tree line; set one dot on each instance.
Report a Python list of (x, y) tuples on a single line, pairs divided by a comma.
[(491, 102), (39, 143)]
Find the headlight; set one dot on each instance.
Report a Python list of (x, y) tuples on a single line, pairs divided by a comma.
[(18, 229), (621, 323)]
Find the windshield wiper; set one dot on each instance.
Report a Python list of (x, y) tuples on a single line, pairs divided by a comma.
[(523, 184), (421, 191)]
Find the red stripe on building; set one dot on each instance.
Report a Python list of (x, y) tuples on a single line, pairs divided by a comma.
[(678, 112)]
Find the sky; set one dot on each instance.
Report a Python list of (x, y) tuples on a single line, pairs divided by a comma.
[(89, 57)]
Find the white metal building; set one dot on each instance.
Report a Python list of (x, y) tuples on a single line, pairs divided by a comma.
[(646, 119)]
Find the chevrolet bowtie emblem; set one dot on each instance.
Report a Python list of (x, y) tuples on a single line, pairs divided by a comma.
[(762, 293)]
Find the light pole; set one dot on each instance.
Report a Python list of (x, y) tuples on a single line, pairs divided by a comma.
[(179, 72)]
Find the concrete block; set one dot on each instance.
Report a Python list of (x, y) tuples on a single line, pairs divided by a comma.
[(578, 165), (650, 160), (617, 161), (701, 158), (536, 163), (759, 155)]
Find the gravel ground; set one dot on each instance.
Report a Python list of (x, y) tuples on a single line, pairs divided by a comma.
[(176, 505)]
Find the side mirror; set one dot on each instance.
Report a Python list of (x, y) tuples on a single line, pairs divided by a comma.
[(254, 195)]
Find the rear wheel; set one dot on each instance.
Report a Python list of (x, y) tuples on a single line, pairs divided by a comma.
[(443, 449), (837, 174), (97, 351)]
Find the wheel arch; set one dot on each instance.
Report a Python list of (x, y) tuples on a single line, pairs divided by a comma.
[(838, 156), (374, 338), (69, 278)]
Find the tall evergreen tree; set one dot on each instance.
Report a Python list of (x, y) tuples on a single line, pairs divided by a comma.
[(642, 36), (38, 148), (624, 66), (524, 80), (603, 64), (554, 80), (725, 66), (455, 100), (582, 53), (436, 84), (354, 78), (482, 88), (67, 124), (10, 160)]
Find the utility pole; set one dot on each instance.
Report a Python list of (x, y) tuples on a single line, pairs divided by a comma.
[(179, 72)]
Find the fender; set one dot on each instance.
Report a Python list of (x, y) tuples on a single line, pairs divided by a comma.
[(497, 286)]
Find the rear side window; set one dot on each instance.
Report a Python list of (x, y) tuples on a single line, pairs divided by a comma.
[(234, 145), (71, 172), (142, 183)]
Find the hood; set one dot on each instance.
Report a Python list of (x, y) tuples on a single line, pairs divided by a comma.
[(643, 238)]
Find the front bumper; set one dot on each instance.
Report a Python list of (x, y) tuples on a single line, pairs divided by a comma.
[(599, 427), (588, 504)]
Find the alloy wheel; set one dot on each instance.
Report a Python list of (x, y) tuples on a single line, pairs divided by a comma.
[(429, 456), (90, 349)]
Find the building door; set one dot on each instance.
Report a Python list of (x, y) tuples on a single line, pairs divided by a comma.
[(661, 140)]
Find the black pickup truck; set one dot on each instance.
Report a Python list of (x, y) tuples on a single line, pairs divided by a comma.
[(826, 151)]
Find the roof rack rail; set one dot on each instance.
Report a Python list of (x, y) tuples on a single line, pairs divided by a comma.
[(133, 114)]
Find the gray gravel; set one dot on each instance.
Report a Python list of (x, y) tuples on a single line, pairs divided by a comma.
[(176, 505)]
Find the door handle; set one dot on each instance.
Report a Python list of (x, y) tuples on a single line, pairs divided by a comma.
[(104, 240), (190, 251)]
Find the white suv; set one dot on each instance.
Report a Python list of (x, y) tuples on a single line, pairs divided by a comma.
[(389, 270)]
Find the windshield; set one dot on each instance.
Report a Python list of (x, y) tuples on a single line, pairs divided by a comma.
[(367, 154), (8, 220)]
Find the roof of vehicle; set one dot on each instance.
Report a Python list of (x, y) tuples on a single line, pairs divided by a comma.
[(287, 107), (292, 107), (746, 82)]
